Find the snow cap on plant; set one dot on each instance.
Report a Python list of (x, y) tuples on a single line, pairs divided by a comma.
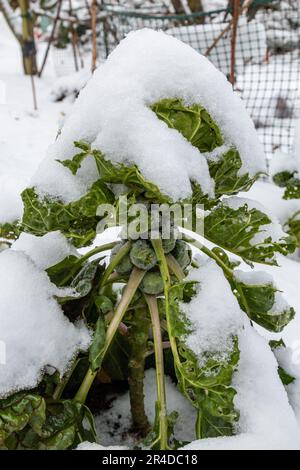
[(160, 106)]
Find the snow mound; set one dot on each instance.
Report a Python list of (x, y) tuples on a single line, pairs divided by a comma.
[(113, 114), (44, 251), (215, 318), (34, 332)]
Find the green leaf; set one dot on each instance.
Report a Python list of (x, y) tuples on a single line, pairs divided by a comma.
[(226, 174), (116, 360), (290, 181), (235, 229), (10, 231), (75, 163), (198, 127), (26, 422), (18, 411), (130, 176), (193, 122), (257, 301), (103, 304), (77, 220), (96, 348), (207, 386), (285, 377), (63, 271)]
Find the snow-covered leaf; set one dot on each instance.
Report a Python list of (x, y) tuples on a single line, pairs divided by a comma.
[(247, 232), (77, 220), (206, 385)]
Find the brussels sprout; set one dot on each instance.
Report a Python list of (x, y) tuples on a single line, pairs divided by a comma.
[(125, 265), (182, 253), (142, 255), (168, 244), (152, 283)]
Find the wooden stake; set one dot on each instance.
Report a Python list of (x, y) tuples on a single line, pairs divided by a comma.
[(94, 34)]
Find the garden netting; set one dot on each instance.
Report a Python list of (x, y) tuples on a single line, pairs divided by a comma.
[(267, 66)]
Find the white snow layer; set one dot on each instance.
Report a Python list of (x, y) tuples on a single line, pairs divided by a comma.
[(45, 251), (34, 332), (215, 317), (113, 114)]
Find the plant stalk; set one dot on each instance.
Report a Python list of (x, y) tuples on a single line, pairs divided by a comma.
[(160, 376), (114, 262), (134, 281), (138, 337)]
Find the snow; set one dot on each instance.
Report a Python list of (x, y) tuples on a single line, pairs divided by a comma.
[(35, 130), (33, 328), (112, 114), (253, 278), (45, 251), (211, 333), (113, 424), (70, 85)]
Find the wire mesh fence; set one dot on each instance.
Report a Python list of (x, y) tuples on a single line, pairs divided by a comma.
[(267, 53)]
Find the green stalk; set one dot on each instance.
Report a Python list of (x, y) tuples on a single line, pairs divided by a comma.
[(134, 281), (164, 270), (114, 262), (95, 251), (160, 376), (138, 338)]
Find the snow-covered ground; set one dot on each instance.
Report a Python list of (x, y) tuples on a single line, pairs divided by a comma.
[(25, 133)]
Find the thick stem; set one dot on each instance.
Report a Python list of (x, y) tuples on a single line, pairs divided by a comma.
[(134, 281), (160, 376), (138, 337)]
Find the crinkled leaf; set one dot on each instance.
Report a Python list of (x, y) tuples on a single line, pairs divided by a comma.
[(130, 176), (257, 301), (193, 122), (208, 386), (77, 220), (57, 426), (198, 127), (65, 270), (226, 174), (235, 229), (17, 412)]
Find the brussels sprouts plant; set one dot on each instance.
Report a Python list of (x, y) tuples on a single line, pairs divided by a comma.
[(143, 301)]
